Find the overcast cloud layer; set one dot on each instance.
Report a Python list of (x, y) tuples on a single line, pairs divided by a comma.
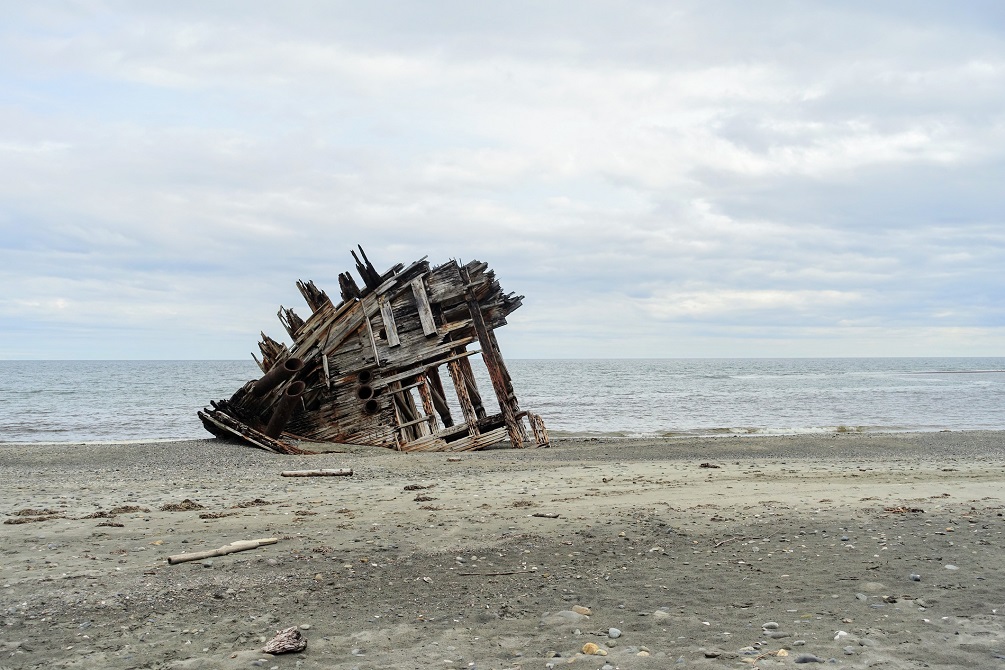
[(659, 179)]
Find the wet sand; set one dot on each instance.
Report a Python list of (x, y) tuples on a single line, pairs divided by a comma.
[(871, 550)]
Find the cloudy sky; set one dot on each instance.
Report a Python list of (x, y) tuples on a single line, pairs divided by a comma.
[(659, 179)]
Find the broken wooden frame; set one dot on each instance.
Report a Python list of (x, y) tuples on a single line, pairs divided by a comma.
[(369, 370)]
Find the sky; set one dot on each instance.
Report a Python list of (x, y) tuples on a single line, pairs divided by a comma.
[(659, 179)]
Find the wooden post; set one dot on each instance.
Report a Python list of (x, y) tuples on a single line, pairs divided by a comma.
[(439, 396), (390, 327), (427, 401), (495, 365), (460, 385), (422, 304), (469, 378)]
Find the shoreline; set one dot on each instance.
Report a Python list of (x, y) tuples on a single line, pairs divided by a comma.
[(573, 436), (687, 546)]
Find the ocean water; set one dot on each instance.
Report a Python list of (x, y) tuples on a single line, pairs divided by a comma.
[(123, 401)]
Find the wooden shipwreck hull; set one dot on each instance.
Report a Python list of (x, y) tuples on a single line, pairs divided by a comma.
[(384, 366)]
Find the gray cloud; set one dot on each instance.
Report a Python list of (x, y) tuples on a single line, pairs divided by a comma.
[(712, 179)]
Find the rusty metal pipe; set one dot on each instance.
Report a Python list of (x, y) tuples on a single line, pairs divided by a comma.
[(364, 376), (364, 392), (284, 409), (276, 375)]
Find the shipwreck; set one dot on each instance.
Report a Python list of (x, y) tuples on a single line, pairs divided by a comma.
[(387, 366)]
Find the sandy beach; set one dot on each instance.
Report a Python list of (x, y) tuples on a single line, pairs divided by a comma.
[(864, 551)]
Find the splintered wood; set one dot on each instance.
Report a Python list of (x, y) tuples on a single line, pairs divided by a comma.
[(369, 370)]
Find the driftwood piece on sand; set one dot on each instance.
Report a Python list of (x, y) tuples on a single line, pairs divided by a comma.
[(241, 545), (341, 472), (289, 641)]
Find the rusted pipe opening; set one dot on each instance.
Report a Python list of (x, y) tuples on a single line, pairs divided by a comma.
[(364, 376), (276, 375), (371, 406), (364, 392), (284, 409)]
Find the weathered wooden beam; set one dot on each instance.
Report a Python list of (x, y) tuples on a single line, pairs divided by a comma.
[(424, 308), (439, 396), (290, 320), (496, 368), (428, 406), (390, 327), (469, 379), (315, 297), (463, 399)]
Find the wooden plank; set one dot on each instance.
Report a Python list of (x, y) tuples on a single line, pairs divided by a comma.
[(463, 399), (423, 306), (438, 397), (390, 328), (476, 397), (326, 472), (246, 433), (425, 393), (373, 342), (421, 419)]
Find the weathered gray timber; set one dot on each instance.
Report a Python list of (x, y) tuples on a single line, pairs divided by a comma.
[(367, 370)]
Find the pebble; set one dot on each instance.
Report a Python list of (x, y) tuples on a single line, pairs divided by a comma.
[(849, 651), (660, 615), (952, 567), (799, 643), (807, 658), (614, 633), (778, 635), (304, 626), (643, 653), (579, 609), (861, 596), (207, 563), (770, 625), (915, 577), (844, 538)]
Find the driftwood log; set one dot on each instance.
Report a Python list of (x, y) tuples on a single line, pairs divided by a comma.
[(343, 472), (233, 547), (288, 641)]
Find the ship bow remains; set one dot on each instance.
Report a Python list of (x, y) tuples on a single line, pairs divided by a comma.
[(390, 365)]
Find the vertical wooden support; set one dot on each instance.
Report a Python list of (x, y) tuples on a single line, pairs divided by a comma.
[(373, 340), (476, 397), (460, 385), (494, 364), (390, 327), (544, 439), (439, 396), (427, 401), (422, 304)]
